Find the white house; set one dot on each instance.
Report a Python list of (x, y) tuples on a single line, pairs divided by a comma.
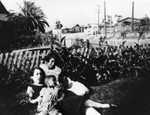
[(92, 29)]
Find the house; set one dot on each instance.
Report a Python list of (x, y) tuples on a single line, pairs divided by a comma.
[(3, 12), (3, 15), (3, 18), (89, 29), (92, 29), (126, 24), (6, 28), (74, 29)]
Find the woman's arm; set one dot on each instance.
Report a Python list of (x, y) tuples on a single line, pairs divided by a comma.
[(38, 99), (62, 95), (30, 92)]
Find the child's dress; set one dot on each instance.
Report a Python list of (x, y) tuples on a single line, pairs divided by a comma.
[(47, 104)]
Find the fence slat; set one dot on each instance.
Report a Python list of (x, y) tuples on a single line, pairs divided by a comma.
[(24, 59), (11, 57), (1, 58), (37, 58), (14, 61), (19, 60), (5, 58), (33, 60)]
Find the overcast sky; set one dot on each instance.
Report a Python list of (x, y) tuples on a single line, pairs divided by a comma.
[(71, 12)]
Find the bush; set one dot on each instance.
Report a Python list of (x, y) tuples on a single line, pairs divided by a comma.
[(12, 89), (23, 42), (13, 82)]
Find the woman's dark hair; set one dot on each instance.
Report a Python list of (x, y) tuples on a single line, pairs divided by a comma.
[(56, 56), (42, 73), (49, 56), (64, 81)]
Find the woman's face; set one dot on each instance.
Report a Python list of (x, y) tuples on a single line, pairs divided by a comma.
[(37, 75), (51, 63)]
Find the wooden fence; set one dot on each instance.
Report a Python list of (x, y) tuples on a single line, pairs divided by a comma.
[(24, 59), (27, 59)]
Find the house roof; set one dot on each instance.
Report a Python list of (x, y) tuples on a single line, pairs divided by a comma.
[(3, 9), (96, 24), (3, 12), (70, 26), (77, 25), (129, 19)]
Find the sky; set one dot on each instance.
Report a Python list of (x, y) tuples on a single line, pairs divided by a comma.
[(82, 12)]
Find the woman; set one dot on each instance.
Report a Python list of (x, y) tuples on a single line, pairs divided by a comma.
[(38, 83), (49, 66), (76, 102), (34, 89)]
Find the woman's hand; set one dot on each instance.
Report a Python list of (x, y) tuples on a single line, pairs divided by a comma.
[(54, 94), (113, 106)]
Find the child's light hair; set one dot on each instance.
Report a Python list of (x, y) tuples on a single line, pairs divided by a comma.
[(50, 77)]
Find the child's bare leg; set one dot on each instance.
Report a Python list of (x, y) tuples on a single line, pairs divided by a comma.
[(43, 113), (91, 111), (90, 103)]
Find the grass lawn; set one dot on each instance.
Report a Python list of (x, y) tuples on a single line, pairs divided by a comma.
[(132, 95)]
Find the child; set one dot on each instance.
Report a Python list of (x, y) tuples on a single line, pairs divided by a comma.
[(47, 102), (49, 66), (38, 81)]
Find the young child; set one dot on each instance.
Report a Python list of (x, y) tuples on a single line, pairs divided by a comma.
[(47, 102), (49, 66), (38, 82)]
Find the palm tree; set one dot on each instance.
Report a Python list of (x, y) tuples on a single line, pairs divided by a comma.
[(30, 18)]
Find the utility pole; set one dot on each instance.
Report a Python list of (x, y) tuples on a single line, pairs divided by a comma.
[(98, 18), (132, 16), (105, 30)]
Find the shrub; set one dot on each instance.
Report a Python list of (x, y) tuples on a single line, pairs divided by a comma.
[(13, 85)]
